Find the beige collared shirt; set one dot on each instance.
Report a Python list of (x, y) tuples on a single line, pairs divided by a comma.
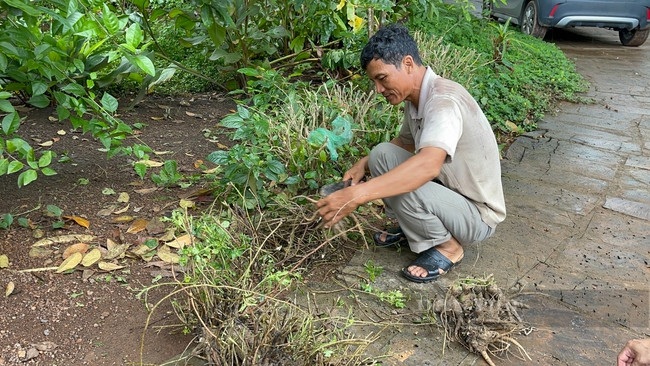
[(449, 118)]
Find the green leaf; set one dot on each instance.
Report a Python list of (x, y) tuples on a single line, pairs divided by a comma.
[(8, 219), (232, 121), (14, 166), (55, 210), (140, 169), (74, 88), (10, 123), (109, 103), (27, 177), (45, 159), (39, 101), (24, 7), (228, 58), (111, 22), (217, 33), (62, 112), (3, 62), (134, 35), (144, 63), (276, 166), (4, 164), (38, 88), (219, 157), (6, 106), (48, 171)]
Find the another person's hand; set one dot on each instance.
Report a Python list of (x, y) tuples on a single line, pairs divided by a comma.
[(635, 353)]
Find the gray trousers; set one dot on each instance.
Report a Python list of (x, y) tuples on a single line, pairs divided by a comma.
[(431, 214)]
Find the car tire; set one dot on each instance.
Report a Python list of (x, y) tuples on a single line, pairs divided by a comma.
[(529, 21), (633, 38)]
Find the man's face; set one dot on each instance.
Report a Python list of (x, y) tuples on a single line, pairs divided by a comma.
[(393, 83)]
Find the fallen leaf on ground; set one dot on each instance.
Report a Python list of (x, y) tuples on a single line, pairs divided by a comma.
[(122, 210), (165, 254), (150, 163), (46, 143), (155, 226), (91, 258), (123, 197), (116, 252), (60, 132), (166, 152), (75, 248), (37, 233), (141, 250), (183, 203), (108, 266), (40, 252), (10, 289), (222, 146), (64, 239), (106, 211), (79, 220), (137, 226), (180, 242), (169, 235), (110, 244), (70, 263), (108, 191), (157, 118), (44, 346), (123, 219), (136, 183), (198, 163), (4, 261), (52, 118), (146, 190)]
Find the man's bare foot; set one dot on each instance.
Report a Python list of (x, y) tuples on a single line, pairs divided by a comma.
[(452, 250)]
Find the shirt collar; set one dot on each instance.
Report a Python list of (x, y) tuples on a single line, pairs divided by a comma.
[(429, 75)]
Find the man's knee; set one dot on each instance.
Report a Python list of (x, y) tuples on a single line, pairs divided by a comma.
[(383, 158)]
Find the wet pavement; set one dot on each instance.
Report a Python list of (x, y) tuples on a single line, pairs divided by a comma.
[(577, 235)]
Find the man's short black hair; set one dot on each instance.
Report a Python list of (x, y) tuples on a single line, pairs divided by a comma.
[(390, 44)]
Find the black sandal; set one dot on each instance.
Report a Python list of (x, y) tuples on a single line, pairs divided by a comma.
[(433, 261), (395, 237)]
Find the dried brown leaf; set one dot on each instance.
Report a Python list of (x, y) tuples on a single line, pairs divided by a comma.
[(75, 248), (116, 252), (180, 242), (70, 263), (4, 261), (123, 197), (119, 212), (64, 239), (146, 190), (10, 289), (108, 266), (126, 218), (79, 220), (91, 258), (137, 226), (165, 254)]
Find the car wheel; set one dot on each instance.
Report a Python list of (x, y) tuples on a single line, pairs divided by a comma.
[(633, 38), (529, 23)]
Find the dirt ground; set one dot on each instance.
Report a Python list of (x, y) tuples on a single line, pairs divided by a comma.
[(97, 318)]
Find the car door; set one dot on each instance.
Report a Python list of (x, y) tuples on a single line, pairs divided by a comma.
[(512, 8)]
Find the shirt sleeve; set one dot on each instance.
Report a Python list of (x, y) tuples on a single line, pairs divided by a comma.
[(442, 125)]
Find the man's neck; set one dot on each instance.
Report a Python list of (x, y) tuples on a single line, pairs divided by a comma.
[(417, 76)]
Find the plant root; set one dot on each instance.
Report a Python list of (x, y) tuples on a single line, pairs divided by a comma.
[(476, 313)]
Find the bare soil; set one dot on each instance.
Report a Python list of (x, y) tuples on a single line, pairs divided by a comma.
[(97, 318)]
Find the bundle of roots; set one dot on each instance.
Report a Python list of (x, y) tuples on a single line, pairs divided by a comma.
[(478, 314)]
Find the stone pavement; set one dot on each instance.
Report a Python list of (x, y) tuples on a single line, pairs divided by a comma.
[(577, 233)]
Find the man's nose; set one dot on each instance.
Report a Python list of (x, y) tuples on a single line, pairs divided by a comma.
[(379, 88)]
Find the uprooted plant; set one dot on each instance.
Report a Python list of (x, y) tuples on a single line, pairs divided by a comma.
[(479, 315), (237, 275)]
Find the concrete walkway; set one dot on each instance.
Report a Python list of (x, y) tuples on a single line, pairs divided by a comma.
[(577, 234)]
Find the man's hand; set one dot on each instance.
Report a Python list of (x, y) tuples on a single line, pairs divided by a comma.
[(338, 205), (357, 172)]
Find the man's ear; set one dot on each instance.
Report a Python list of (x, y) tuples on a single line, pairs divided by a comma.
[(408, 63)]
